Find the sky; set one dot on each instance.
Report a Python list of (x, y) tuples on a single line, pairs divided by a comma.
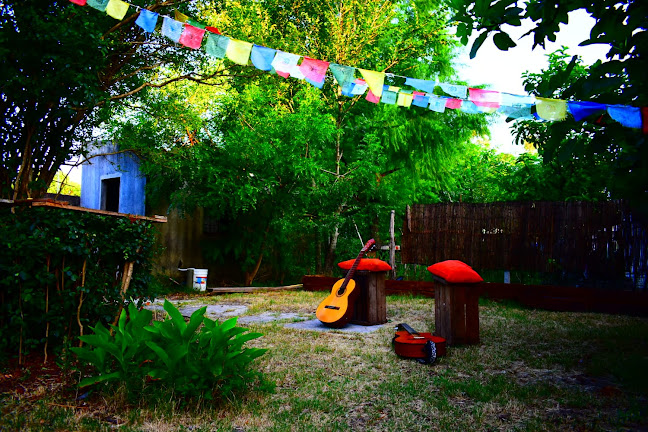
[(502, 70)]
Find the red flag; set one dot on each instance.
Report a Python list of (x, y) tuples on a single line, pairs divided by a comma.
[(79, 2), (453, 103), (485, 98), (192, 36), (213, 29)]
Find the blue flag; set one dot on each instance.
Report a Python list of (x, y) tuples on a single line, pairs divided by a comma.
[(147, 20), (262, 57)]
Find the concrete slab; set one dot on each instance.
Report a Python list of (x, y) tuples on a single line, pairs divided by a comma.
[(316, 325)]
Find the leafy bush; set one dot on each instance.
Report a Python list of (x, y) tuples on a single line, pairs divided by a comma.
[(61, 270), (191, 359)]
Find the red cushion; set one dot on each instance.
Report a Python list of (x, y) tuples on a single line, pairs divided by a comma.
[(455, 271), (371, 264)]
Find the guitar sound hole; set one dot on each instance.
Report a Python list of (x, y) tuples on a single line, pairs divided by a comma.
[(332, 307)]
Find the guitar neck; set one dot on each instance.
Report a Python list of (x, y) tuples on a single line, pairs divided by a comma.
[(355, 265)]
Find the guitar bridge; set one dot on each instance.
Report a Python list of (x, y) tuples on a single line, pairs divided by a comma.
[(332, 307)]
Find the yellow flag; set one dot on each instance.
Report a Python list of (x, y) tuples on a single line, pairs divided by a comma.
[(375, 80), (239, 51), (117, 9), (179, 16), (551, 109), (405, 99)]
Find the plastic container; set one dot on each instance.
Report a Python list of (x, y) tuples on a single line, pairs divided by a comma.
[(196, 278), (200, 279)]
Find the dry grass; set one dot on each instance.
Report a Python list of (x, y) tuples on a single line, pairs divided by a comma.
[(533, 370)]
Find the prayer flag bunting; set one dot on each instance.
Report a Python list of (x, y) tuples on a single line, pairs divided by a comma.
[(484, 98), (453, 103), (179, 16), (389, 96), (437, 104), (374, 80), (626, 115), (285, 63), (424, 85), (342, 74), (147, 20), (519, 101), (360, 87), (551, 109), (421, 100), (405, 98), (314, 71), (239, 51), (190, 33), (516, 112), (172, 29), (216, 45), (100, 5), (192, 36), (469, 107), (117, 9), (262, 57), (371, 97), (581, 110), (195, 23), (455, 90)]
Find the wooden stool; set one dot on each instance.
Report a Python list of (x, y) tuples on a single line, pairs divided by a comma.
[(371, 305), (456, 311)]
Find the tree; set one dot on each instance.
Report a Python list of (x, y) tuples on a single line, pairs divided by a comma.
[(620, 80), (322, 163), (64, 69)]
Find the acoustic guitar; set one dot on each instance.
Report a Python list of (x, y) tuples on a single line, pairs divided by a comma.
[(336, 310), (424, 347)]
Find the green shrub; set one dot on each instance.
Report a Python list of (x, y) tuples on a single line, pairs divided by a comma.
[(193, 360), (61, 270)]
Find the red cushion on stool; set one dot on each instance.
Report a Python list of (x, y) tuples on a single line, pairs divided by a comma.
[(371, 264), (455, 271)]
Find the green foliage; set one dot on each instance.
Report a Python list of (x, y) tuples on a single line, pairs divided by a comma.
[(190, 359), (63, 186), (285, 168), (61, 268), (65, 68), (614, 157)]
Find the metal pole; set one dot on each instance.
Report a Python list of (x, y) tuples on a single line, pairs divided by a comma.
[(392, 245)]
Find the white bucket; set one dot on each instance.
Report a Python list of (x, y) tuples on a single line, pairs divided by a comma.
[(200, 279)]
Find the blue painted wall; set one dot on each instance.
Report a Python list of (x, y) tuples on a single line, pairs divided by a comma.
[(122, 165)]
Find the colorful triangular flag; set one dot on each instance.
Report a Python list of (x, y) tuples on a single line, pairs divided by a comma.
[(216, 45), (423, 85), (374, 80), (172, 29), (262, 57), (100, 5), (192, 36), (628, 116), (551, 109), (147, 20)]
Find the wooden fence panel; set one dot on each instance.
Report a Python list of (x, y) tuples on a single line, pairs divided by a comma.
[(604, 241)]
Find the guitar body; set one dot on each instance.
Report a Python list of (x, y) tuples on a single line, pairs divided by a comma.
[(336, 310), (411, 344)]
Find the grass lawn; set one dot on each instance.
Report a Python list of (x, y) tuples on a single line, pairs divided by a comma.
[(533, 371)]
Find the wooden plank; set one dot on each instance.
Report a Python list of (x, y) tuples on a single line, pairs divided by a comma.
[(64, 205), (472, 315), (232, 290)]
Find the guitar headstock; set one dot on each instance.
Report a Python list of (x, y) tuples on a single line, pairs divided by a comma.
[(371, 244)]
